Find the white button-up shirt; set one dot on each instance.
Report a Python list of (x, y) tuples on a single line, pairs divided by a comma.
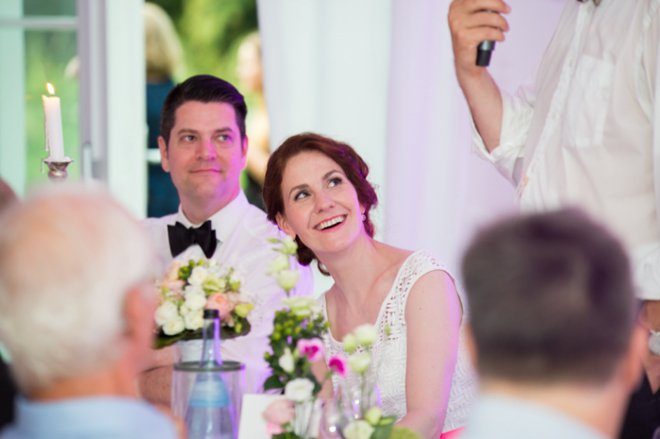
[(242, 231), (585, 134)]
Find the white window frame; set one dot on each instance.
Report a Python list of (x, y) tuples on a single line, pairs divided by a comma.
[(112, 128)]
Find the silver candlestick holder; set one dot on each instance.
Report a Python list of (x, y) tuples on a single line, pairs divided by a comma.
[(57, 168)]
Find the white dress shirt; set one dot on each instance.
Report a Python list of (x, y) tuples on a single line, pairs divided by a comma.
[(585, 134), (242, 231), (503, 417)]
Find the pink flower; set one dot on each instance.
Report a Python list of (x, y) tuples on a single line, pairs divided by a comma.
[(338, 365), (273, 429), (220, 302), (310, 348), (278, 413)]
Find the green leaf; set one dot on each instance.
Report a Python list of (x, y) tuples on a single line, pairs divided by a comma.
[(162, 340), (382, 431), (273, 382), (399, 432)]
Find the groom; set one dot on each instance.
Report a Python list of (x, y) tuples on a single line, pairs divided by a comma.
[(203, 146)]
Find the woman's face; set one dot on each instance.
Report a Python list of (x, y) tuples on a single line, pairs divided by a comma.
[(321, 205)]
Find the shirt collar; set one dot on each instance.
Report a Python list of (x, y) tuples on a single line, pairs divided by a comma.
[(223, 221)]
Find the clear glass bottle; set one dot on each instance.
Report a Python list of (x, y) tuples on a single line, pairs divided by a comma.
[(210, 414)]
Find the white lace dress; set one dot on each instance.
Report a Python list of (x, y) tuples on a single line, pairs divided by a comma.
[(390, 349)]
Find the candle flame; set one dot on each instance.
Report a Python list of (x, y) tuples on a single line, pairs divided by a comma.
[(50, 88)]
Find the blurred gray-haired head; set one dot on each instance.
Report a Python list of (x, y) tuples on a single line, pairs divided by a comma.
[(69, 254)]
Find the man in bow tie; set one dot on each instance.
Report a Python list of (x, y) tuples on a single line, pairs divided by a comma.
[(203, 146), (587, 133)]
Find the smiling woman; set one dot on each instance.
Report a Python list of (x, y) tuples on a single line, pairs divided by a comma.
[(347, 162), (316, 190)]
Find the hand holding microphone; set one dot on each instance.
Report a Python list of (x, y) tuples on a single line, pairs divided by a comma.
[(475, 26), (484, 51)]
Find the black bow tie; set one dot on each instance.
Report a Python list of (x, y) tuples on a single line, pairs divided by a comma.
[(182, 237)]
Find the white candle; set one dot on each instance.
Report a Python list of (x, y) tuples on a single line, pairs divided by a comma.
[(53, 124)]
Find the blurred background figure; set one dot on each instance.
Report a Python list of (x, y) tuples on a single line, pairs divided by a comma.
[(7, 386), (249, 70), (7, 195), (163, 56), (75, 317)]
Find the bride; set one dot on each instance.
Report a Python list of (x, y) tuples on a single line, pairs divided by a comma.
[(316, 190)]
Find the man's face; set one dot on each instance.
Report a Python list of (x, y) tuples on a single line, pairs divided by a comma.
[(205, 154)]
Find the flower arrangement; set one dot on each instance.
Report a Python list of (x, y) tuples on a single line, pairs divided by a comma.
[(187, 289), (296, 343), (358, 400)]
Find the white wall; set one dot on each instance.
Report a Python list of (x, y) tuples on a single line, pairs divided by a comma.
[(379, 74)]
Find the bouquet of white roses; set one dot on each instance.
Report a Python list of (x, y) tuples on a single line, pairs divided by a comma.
[(187, 289)]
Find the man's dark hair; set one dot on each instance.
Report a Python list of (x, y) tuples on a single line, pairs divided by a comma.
[(202, 88), (551, 299)]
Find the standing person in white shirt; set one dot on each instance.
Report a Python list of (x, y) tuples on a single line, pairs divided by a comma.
[(203, 146), (588, 133)]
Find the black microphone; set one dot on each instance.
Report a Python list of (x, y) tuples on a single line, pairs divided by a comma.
[(484, 51)]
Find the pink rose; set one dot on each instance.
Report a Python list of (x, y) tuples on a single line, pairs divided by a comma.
[(337, 364), (220, 302), (273, 429), (278, 413), (310, 348), (175, 287)]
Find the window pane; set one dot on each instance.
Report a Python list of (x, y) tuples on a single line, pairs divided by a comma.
[(41, 7), (50, 57)]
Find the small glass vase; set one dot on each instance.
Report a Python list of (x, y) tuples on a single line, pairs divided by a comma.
[(358, 394), (307, 419)]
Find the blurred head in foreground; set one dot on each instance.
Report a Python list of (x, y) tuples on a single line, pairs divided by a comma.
[(75, 294), (553, 313)]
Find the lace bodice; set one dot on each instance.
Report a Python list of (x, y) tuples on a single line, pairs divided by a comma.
[(390, 348)]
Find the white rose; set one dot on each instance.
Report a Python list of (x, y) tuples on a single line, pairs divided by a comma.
[(281, 262), (193, 289), (197, 276), (294, 303), (287, 361), (195, 301), (299, 390), (359, 363), (373, 415), (350, 343), (234, 281), (358, 430), (287, 279), (194, 319), (165, 312), (174, 326), (365, 335), (289, 246)]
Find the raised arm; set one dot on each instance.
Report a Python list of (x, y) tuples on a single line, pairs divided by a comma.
[(433, 318), (470, 22)]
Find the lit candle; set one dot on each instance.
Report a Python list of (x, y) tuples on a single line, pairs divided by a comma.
[(53, 123)]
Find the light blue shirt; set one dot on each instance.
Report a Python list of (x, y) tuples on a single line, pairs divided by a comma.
[(500, 417), (98, 417)]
